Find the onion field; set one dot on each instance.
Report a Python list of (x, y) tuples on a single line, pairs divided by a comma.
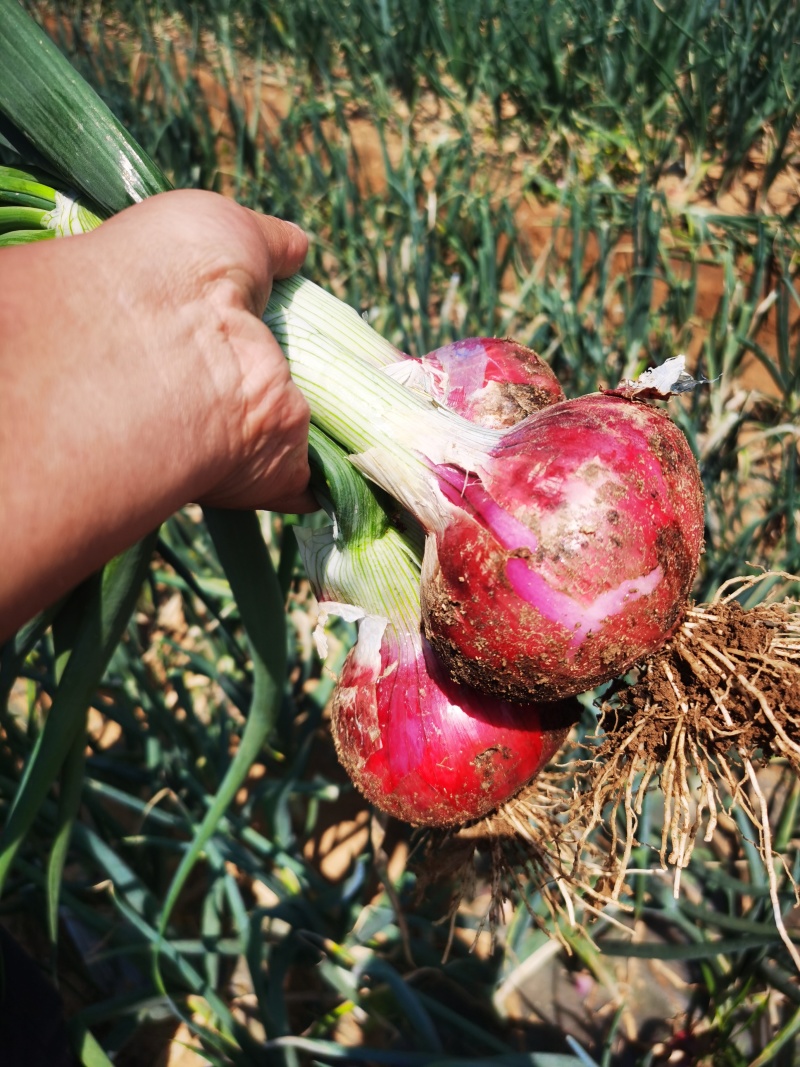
[(611, 183)]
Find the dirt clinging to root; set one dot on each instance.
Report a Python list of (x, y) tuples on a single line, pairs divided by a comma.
[(723, 692), (720, 700)]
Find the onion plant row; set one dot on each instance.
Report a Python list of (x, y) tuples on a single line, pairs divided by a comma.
[(194, 684), (629, 77)]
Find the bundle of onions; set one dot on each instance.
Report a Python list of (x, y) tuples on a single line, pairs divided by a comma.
[(558, 553), (418, 744)]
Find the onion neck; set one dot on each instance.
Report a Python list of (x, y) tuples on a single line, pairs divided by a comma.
[(395, 434), (361, 559), (71, 215), (306, 299)]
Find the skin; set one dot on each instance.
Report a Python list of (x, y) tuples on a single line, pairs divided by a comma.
[(136, 376)]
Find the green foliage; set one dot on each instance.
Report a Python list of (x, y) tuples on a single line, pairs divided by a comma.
[(413, 140)]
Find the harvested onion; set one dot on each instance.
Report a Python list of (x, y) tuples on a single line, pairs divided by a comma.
[(491, 381), (559, 552), (426, 749), (586, 525)]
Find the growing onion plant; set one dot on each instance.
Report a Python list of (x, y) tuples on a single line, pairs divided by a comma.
[(501, 549)]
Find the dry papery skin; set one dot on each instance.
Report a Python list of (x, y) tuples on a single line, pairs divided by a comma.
[(719, 700)]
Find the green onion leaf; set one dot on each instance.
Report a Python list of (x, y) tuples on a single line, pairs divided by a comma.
[(65, 119)]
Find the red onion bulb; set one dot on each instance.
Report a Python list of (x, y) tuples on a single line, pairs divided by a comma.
[(581, 533), (491, 381), (426, 749)]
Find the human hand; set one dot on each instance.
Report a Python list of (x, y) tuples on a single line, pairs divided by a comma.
[(138, 376), (207, 267)]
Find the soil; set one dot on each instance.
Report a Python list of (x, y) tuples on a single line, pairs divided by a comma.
[(718, 702), (722, 654)]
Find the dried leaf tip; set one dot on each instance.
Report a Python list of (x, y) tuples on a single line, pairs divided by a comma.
[(659, 383)]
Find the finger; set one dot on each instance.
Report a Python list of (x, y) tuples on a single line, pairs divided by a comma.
[(304, 503), (287, 488), (287, 244)]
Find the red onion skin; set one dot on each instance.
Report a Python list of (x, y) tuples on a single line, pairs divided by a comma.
[(429, 751), (583, 534), (492, 381)]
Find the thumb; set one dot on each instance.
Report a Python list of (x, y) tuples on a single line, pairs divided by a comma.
[(287, 244)]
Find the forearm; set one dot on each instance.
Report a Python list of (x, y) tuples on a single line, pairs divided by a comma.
[(96, 447)]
